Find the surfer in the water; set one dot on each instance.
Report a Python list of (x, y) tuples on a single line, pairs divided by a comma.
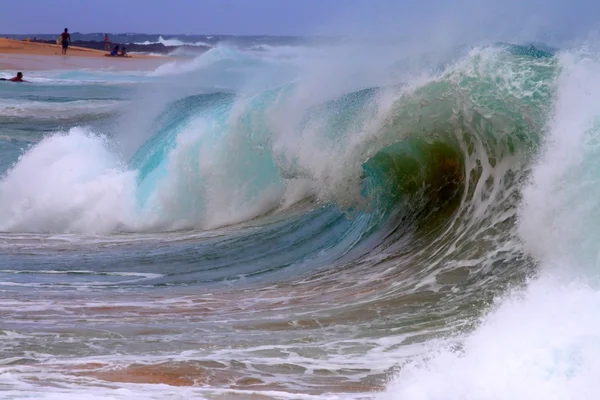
[(18, 78)]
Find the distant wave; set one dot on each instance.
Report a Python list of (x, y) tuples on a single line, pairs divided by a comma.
[(175, 42)]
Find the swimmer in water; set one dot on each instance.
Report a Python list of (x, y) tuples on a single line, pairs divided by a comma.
[(18, 78)]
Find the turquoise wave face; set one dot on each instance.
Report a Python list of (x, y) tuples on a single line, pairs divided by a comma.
[(152, 158), (370, 167), (400, 156)]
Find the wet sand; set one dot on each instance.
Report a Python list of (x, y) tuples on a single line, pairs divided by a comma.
[(214, 374)]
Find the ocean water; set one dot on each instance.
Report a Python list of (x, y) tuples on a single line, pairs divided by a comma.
[(287, 225)]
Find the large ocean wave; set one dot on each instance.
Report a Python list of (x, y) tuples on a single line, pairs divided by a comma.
[(406, 201), (218, 158)]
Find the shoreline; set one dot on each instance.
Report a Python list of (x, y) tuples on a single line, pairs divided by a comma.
[(23, 56), (10, 46), (143, 48)]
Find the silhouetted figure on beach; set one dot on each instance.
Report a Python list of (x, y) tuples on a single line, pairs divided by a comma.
[(115, 51), (106, 42), (65, 39), (18, 78)]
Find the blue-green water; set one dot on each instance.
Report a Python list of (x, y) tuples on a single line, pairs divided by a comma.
[(247, 224)]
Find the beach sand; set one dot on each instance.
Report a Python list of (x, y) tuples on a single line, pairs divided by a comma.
[(9, 46), (22, 55)]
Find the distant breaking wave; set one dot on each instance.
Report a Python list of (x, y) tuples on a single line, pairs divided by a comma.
[(175, 42)]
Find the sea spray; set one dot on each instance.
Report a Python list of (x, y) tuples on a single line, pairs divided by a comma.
[(69, 182), (540, 341)]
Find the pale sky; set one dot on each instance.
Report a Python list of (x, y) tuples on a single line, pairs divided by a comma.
[(298, 17)]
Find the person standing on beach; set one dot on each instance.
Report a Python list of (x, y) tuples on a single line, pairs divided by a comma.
[(106, 42), (65, 39)]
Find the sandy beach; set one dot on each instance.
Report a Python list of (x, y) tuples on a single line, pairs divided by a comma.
[(22, 55), (9, 46)]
